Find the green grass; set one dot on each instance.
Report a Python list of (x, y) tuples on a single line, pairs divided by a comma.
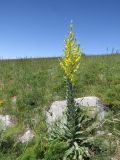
[(43, 80), (38, 82)]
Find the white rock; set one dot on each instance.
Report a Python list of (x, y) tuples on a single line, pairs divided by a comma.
[(93, 102), (58, 107), (27, 136), (56, 110), (6, 121)]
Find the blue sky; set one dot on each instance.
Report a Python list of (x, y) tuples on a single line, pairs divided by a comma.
[(37, 28)]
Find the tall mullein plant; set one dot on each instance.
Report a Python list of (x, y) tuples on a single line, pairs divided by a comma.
[(76, 121), (70, 63)]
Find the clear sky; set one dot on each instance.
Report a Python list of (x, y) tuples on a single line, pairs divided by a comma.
[(37, 28)]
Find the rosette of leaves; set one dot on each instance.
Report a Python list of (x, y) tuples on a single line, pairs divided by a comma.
[(79, 133)]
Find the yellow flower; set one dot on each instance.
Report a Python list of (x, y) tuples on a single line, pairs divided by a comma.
[(70, 63), (2, 102), (77, 59)]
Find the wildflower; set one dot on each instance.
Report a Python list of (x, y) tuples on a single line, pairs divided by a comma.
[(70, 63), (1, 102)]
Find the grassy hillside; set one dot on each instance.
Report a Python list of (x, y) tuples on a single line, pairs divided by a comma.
[(42, 81), (36, 83)]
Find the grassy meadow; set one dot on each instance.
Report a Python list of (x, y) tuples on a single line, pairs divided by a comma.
[(36, 83)]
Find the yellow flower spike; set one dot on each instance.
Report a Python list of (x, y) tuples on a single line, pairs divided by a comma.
[(70, 63)]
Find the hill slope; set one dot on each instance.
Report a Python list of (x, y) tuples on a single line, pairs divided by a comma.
[(98, 75), (27, 86)]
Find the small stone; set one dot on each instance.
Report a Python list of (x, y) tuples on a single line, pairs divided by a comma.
[(27, 136), (6, 121)]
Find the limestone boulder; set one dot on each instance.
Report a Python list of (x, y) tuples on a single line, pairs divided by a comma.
[(57, 108)]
